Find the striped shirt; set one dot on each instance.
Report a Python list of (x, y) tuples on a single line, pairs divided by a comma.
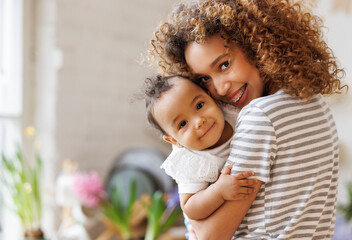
[(292, 146)]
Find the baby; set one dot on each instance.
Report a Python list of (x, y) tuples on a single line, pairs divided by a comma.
[(194, 123)]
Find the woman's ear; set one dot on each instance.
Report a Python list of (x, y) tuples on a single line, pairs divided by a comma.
[(172, 141)]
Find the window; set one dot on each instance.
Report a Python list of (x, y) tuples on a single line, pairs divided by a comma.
[(10, 58), (10, 78)]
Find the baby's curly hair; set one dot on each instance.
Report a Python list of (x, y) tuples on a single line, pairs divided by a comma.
[(283, 41), (154, 88)]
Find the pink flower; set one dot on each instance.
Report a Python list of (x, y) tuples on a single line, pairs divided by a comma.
[(89, 188)]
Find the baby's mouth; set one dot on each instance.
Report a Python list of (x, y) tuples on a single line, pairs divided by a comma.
[(238, 94), (208, 130)]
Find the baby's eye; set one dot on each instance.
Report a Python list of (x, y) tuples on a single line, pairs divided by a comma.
[(182, 124), (203, 79), (199, 105), (224, 65)]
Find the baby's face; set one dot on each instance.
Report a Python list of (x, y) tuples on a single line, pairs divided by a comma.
[(189, 116)]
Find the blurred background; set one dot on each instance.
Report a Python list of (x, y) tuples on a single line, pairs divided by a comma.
[(72, 69)]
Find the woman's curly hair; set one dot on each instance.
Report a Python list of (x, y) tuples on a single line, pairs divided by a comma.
[(283, 41)]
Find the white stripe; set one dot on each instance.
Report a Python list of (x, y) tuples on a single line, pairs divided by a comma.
[(308, 149)]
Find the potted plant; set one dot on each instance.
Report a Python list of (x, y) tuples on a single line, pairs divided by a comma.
[(116, 215), (20, 178), (163, 210)]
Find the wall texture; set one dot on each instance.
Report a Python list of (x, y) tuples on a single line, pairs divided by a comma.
[(101, 45)]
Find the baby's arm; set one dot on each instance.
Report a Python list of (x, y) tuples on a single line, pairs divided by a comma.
[(228, 187)]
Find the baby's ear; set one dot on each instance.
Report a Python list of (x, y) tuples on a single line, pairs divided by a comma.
[(172, 141)]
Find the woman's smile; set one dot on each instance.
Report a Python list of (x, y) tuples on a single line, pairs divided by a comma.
[(239, 97)]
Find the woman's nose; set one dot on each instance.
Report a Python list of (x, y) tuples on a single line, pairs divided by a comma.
[(221, 86), (199, 122)]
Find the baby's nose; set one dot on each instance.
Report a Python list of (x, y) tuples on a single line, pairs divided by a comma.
[(200, 121)]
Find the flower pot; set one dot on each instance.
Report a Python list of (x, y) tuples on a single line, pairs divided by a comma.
[(34, 234), (30, 238)]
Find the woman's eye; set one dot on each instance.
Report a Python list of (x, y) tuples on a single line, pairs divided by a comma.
[(182, 124), (200, 105), (224, 65)]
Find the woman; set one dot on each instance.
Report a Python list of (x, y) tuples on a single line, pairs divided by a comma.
[(243, 50)]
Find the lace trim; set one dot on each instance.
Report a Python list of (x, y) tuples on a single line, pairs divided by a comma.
[(186, 167)]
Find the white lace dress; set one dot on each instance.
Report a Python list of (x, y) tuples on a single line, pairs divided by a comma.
[(195, 170)]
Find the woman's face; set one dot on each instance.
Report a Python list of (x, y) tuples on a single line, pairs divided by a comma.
[(225, 71)]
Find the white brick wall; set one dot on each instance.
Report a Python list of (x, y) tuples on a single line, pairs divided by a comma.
[(101, 43)]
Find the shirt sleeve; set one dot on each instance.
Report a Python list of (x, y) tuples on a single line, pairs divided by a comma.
[(192, 172), (253, 147)]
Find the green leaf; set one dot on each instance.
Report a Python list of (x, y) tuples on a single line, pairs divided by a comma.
[(22, 182), (119, 212), (346, 209), (160, 218), (171, 219), (155, 212), (132, 199)]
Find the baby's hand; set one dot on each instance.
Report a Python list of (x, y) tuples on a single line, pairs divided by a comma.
[(235, 187)]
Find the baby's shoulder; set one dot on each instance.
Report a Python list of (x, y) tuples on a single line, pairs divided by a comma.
[(185, 165)]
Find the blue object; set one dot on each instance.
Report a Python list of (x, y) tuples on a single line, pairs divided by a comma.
[(343, 229)]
